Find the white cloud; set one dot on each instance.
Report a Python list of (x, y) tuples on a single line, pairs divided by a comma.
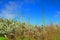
[(9, 10), (57, 14), (6, 14)]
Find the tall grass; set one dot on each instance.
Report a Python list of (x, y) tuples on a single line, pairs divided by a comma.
[(14, 30)]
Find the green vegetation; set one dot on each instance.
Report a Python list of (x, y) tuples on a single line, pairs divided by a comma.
[(2, 38), (15, 30)]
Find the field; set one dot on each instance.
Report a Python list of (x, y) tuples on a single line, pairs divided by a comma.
[(15, 30)]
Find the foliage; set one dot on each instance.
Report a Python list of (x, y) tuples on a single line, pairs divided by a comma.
[(2, 38), (15, 30)]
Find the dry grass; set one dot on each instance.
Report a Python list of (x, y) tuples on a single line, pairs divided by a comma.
[(22, 31)]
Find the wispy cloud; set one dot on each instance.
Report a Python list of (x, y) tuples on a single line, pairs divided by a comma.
[(6, 14), (57, 14), (9, 10)]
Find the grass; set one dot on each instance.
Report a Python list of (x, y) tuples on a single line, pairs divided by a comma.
[(24, 31), (56, 38), (2, 38)]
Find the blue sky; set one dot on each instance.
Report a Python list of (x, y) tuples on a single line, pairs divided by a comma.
[(32, 9)]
